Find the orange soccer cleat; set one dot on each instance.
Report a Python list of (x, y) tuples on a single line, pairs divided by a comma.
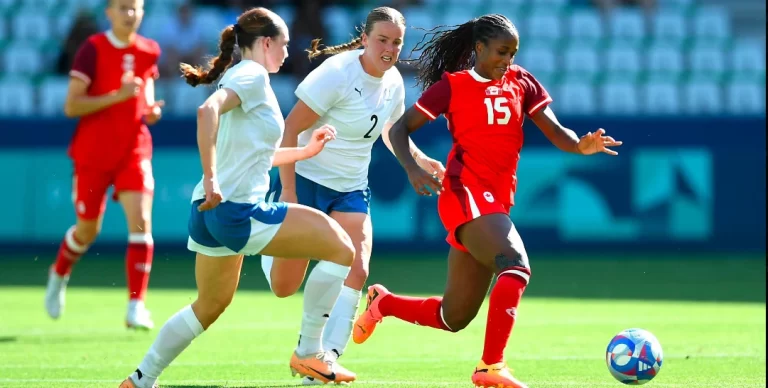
[(321, 367), (367, 321), (495, 376), (128, 383)]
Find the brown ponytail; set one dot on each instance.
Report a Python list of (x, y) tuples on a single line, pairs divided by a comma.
[(315, 52), (251, 25), (379, 14), (197, 75)]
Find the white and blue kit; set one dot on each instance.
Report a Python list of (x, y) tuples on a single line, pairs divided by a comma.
[(243, 223), (358, 105)]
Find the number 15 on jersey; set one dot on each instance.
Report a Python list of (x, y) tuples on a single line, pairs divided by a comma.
[(498, 105)]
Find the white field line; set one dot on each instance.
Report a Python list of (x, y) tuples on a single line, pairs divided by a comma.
[(359, 361)]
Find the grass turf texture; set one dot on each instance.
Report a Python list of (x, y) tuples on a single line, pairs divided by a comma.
[(708, 313)]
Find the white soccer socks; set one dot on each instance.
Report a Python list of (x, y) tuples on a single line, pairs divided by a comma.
[(338, 330), (320, 294), (175, 336), (266, 266)]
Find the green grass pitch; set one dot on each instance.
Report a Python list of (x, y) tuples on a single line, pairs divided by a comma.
[(708, 313)]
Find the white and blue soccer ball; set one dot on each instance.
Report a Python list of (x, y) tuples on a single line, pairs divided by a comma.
[(634, 356)]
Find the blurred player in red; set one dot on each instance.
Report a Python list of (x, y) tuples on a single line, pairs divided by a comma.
[(485, 107), (111, 91)]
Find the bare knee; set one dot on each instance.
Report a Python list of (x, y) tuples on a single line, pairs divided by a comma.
[(144, 226), (514, 262), (457, 316), (86, 232), (208, 308), (139, 222), (358, 275), (283, 288), (458, 321), (344, 250)]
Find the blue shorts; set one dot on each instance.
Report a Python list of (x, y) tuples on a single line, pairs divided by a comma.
[(234, 228), (326, 200)]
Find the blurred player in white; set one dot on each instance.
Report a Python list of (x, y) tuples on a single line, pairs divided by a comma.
[(239, 128), (361, 94)]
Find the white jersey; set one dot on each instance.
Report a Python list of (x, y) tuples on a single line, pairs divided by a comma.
[(248, 136), (358, 105)]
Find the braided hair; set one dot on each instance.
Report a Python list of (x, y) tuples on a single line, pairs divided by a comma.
[(251, 25), (379, 14), (453, 49)]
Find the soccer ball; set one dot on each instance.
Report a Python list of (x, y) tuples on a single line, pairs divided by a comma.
[(634, 356)]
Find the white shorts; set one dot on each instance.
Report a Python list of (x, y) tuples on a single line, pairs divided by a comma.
[(234, 228)]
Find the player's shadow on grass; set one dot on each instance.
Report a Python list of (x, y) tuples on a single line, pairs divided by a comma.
[(8, 339)]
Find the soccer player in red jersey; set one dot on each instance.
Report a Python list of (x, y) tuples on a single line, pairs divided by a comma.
[(111, 91), (485, 107)]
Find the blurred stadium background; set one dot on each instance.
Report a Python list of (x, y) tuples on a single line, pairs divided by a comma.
[(679, 215), (682, 82)]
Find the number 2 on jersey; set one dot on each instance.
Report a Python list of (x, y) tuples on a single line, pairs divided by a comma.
[(375, 120), (497, 104)]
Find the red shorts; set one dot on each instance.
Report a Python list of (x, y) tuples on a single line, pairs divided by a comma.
[(89, 186), (462, 202)]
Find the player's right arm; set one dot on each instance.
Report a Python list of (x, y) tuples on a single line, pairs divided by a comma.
[(220, 102), (300, 118), (317, 94), (78, 102), (208, 114), (433, 102)]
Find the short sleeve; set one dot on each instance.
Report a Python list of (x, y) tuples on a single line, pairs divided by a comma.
[(400, 107), (320, 90), (536, 97), (251, 88), (84, 64), (154, 72), (435, 100)]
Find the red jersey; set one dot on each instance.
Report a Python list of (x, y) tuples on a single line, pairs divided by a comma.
[(485, 118), (112, 136)]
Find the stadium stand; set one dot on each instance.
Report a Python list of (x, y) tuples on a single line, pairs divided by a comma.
[(683, 57)]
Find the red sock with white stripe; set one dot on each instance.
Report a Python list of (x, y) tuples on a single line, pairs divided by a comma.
[(138, 264), (502, 312), (69, 253)]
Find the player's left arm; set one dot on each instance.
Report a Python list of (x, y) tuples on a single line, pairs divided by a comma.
[(567, 140), (536, 105), (289, 155), (154, 109), (562, 137)]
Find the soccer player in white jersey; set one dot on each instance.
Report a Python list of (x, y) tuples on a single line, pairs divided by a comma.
[(361, 94), (239, 128)]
